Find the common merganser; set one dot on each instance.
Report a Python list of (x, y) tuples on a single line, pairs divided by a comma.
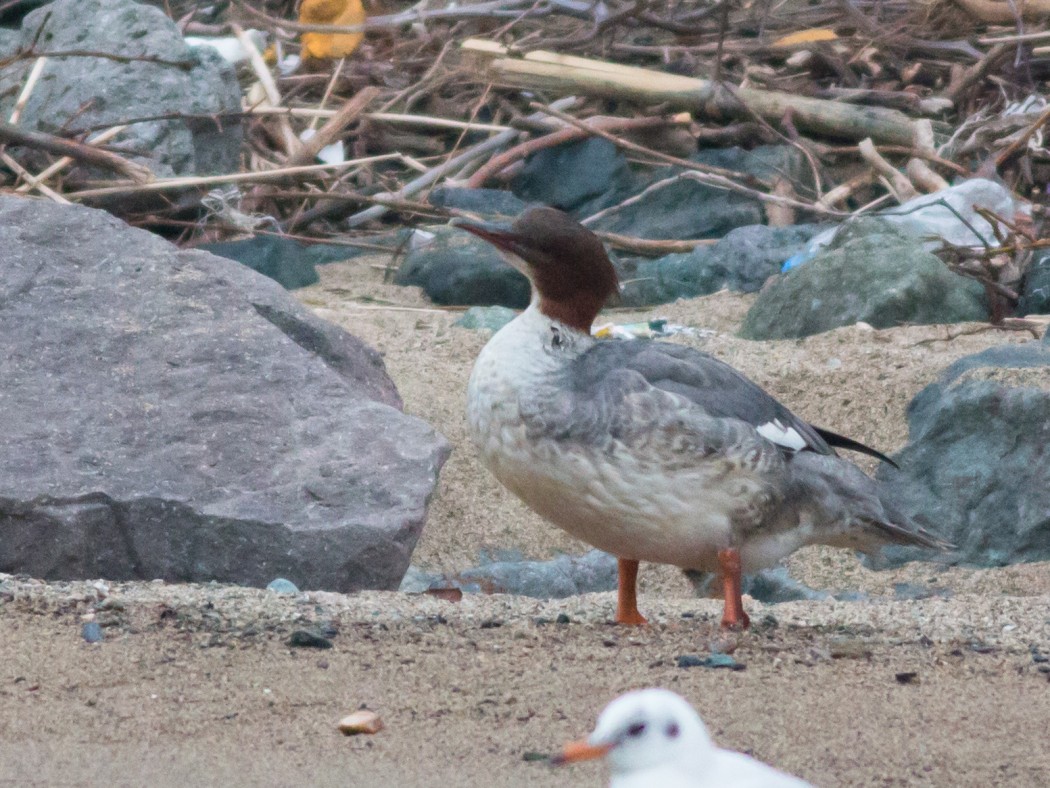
[(653, 738), (649, 450)]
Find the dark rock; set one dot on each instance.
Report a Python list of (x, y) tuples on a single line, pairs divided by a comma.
[(975, 468), (555, 579), (689, 209), (1035, 295), (280, 585), (305, 638), (870, 273), (418, 581), (714, 660), (490, 318), (171, 414), (83, 92), (510, 573), (484, 201), (590, 171), (768, 585), (455, 268), (776, 585), (91, 632), (907, 677), (11, 13), (286, 261), (10, 41), (743, 260)]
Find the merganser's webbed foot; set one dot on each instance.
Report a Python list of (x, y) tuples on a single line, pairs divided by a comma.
[(734, 616), (627, 600)]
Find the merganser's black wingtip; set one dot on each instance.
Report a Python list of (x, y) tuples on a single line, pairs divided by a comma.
[(842, 442)]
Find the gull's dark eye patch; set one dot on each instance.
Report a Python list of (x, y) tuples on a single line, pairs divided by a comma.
[(637, 729), (672, 731)]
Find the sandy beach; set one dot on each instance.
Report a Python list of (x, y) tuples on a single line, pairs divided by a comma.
[(197, 685)]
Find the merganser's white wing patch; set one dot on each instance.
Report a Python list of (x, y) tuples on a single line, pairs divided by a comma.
[(776, 432)]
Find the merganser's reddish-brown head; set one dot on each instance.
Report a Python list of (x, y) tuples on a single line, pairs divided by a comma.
[(566, 263)]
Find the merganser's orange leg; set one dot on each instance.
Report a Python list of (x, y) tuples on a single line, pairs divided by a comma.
[(734, 616), (627, 601)]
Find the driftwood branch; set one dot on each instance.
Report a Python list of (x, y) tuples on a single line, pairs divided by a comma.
[(85, 154), (498, 163), (334, 127), (541, 70)]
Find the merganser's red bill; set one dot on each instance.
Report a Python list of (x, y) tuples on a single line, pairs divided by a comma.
[(499, 234)]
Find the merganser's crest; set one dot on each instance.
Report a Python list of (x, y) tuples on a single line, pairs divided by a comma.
[(566, 262)]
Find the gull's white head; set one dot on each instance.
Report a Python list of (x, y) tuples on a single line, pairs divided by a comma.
[(643, 730)]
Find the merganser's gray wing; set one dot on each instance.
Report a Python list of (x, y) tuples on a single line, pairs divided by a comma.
[(840, 495), (714, 386)]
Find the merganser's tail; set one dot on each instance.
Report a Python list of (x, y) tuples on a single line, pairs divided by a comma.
[(844, 508)]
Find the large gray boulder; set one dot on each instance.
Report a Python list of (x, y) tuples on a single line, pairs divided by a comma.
[(873, 273), (455, 268), (976, 467), (168, 77), (172, 414), (743, 260), (685, 208)]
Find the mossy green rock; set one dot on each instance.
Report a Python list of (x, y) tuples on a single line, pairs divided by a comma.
[(870, 273)]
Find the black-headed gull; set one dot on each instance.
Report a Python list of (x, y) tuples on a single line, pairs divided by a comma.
[(652, 738)]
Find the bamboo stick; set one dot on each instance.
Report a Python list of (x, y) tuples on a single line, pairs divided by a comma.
[(273, 95), (169, 184), (7, 159), (33, 180), (550, 71), (23, 97), (389, 117)]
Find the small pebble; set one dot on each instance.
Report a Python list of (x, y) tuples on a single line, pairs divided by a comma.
[(562, 619), (91, 632), (363, 721), (281, 586), (907, 677), (715, 660), (304, 638)]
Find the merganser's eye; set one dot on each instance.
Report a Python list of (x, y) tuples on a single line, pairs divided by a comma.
[(672, 731), (637, 729)]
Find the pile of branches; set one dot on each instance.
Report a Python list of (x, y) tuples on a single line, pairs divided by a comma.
[(885, 99)]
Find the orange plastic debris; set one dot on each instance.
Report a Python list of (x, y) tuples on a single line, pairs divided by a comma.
[(331, 12)]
